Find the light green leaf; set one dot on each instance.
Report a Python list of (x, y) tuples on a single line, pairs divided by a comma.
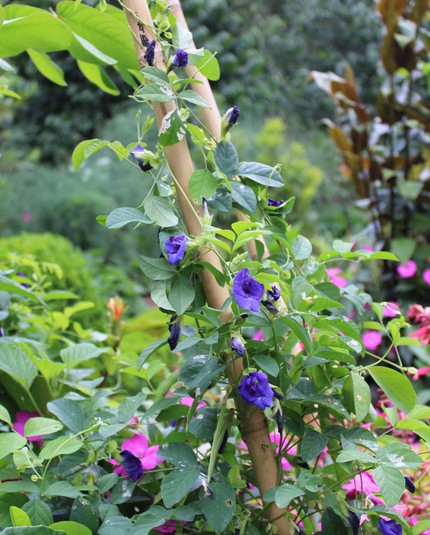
[(302, 248), (181, 294), (172, 129), (98, 76), (74, 355), (19, 517), (202, 184), (155, 93), (41, 426), (10, 442), (267, 364), (154, 74), (15, 362), (207, 64), (312, 445), (359, 456), (71, 528), (85, 149), (391, 483), (120, 217), (261, 174), (301, 333), (226, 158), (157, 269), (159, 295), (396, 386), (220, 507), (60, 446), (159, 210), (10, 286), (46, 66), (403, 248), (177, 484), (4, 415), (286, 493), (192, 96), (357, 395), (38, 512), (147, 352)]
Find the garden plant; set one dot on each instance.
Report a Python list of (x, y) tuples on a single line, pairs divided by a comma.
[(261, 404)]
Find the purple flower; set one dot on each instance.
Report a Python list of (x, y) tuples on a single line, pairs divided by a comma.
[(237, 346), (232, 115), (274, 293), (255, 390), (274, 202), (270, 306), (409, 485), (180, 59), (132, 465), (150, 53), (175, 333), (138, 154), (175, 247), (247, 292), (389, 527), (2, 332)]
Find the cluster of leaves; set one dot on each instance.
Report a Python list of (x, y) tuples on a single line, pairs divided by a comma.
[(386, 155)]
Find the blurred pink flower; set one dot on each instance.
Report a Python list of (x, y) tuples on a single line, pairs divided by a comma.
[(372, 340), (168, 527), (333, 273), (368, 248), (258, 335), (408, 270), (426, 276), (188, 401), (26, 216), (22, 418), (138, 446), (420, 372), (419, 313), (391, 310), (423, 334), (292, 450), (361, 484)]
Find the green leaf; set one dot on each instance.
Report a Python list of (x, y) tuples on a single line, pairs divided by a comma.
[(106, 33), (226, 158), (154, 74), (38, 512), (71, 528), (5, 416), (177, 484), (160, 211), (261, 174), (10, 286), (359, 456), (156, 268), (179, 454), (267, 364), (220, 507), (243, 196), (399, 456), (192, 96), (34, 530), (29, 27), (82, 511), (403, 248), (199, 371), (202, 184), (420, 527), (62, 488), (205, 425), (15, 362), (207, 64), (391, 483), (74, 355), (312, 445), (285, 493), (159, 295), (300, 331), (98, 76), (19, 486), (41, 426), (302, 248), (182, 294), (47, 67), (6, 66), (172, 129), (357, 395), (120, 217), (153, 517), (396, 386), (69, 412), (85, 149), (342, 246), (155, 93), (60, 446), (19, 517)]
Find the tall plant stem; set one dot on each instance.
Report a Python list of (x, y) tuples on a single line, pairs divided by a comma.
[(253, 423)]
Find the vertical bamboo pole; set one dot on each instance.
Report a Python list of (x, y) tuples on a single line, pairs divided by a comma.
[(253, 422)]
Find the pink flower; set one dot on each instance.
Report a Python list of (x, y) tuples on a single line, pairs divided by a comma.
[(26, 216), (333, 273), (188, 401), (408, 270), (372, 340), (368, 248), (22, 418), (168, 527), (292, 450), (258, 335), (423, 334), (138, 446), (361, 484), (420, 372), (391, 310), (426, 276), (419, 313)]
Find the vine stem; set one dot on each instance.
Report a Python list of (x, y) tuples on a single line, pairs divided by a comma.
[(253, 423)]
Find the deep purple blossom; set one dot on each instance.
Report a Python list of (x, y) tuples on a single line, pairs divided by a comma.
[(247, 292), (132, 465), (255, 390), (354, 522), (409, 485), (274, 293), (270, 306), (389, 527), (274, 202), (138, 154), (150, 53), (232, 115), (237, 346), (175, 333), (175, 247), (180, 59), (2, 332), (279, 422)]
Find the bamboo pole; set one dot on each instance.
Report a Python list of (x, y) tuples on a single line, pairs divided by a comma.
[(253, 422)]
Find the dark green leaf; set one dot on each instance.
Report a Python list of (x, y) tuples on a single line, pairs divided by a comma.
[(243, 196), (285, 493), (391, 482), (156, 268), (199, 372), (176, 485), (82, 511), (149, 351), (312, 445), (261, 174), (69, 412), (120, 217), (39, 512), (267, 364), (204, 424), (220, 508), (179, 454), (202, 184), (226, 158), (160, 211), (181, 294)]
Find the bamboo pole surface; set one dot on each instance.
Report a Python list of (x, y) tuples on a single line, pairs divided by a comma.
[(253, 422)]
